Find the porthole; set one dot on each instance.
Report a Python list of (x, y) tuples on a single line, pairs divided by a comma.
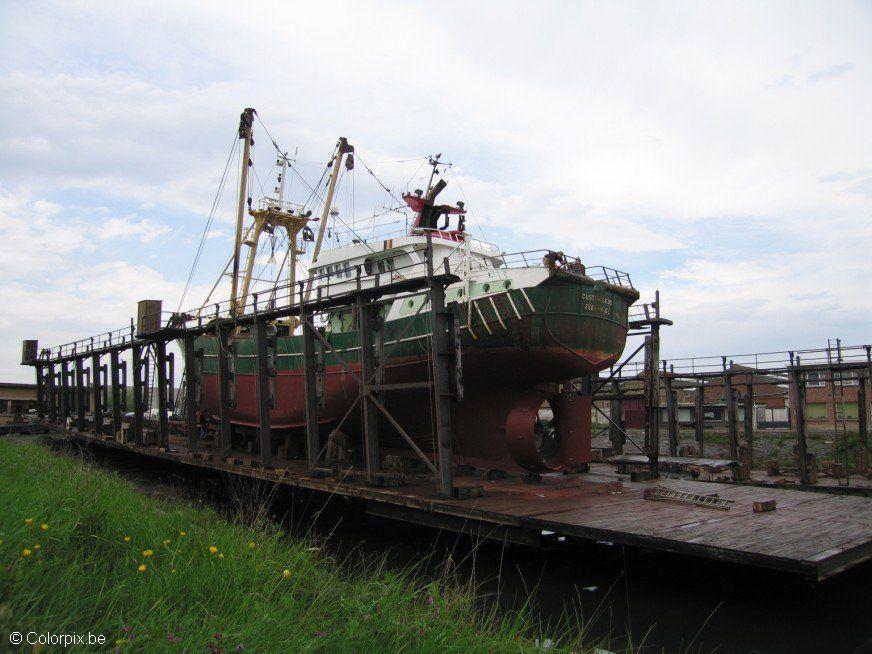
[(486, 288), (411, 303), (508, 284)]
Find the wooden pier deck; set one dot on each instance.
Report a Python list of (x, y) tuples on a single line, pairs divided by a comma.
[(813, 534)]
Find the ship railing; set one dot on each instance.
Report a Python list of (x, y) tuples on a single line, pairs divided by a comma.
[(323, 286), (643, 312), (271, 204), (338, 282), (537, 258), (400, 229), (82, 346)]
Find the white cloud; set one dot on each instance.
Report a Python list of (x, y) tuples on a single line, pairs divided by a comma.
[(129, 227), (612, 130)]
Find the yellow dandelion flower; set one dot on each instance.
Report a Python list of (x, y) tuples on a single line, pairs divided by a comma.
[(251, 545), (28, 521), (213, 549), (147, 553), (221, 556), (43, 526), (26, 552), (286, 573), (183, 533), (167, 542), (127, 539), (143, 568), (173, 571)]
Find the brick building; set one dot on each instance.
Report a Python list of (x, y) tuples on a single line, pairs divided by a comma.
[(16, 399), (830, 397)]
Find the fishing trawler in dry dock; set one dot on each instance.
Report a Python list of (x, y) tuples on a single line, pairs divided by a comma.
[(529, 322)]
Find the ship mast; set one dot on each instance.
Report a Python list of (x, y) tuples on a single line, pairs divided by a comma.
[(272, 214), (245, 122), (342, 147)]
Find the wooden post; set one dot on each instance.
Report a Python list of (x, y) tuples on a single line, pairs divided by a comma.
[(749, 420), (862, 422), (864, 435), (163, 427), (138, 408), (98, 394), (65, 391), (52, 393), (730, 400), (81, 393), (797, 383), (671, 413), (225, 434), (261, 341), (39, 370), (699, 418), (441, 360), (116, 392), (123, 370), (652, 399), (192, 381), (372, 455), (310, 385), (616, 413)]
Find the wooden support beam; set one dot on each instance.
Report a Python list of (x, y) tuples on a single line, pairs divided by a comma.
[(264, 370), (671, 414), (123, 370), (863, 420), (652, 399), (225, 430), (39, 371), (797, 384), (192, 381), (138, 408), (81, 393), (749, 420), (372, 455), (730, 401), (442, 360), (115, 388), (313, 443), (163, 427), (617, 425), (52, 393), (171, 380), (699, 418), (65, 391), (104, 370), (98, 393)]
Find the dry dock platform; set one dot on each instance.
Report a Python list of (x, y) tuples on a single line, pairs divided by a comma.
[(816, 535)]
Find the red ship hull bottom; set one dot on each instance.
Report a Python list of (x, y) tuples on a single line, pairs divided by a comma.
[(499, 424)]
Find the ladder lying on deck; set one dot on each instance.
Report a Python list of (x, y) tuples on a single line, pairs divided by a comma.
[(670, 495)]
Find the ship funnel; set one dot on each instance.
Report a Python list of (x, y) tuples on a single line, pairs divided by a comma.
[(436, 189)]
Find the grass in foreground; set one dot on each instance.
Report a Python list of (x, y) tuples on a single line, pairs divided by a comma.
[(82, 550)]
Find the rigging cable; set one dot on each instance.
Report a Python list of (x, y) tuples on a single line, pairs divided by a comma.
[(465, 199), (209, 220)]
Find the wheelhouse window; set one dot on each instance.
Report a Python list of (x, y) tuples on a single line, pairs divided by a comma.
[(373, 265)]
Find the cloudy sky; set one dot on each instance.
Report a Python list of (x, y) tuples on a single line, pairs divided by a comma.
[(721, 152)]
